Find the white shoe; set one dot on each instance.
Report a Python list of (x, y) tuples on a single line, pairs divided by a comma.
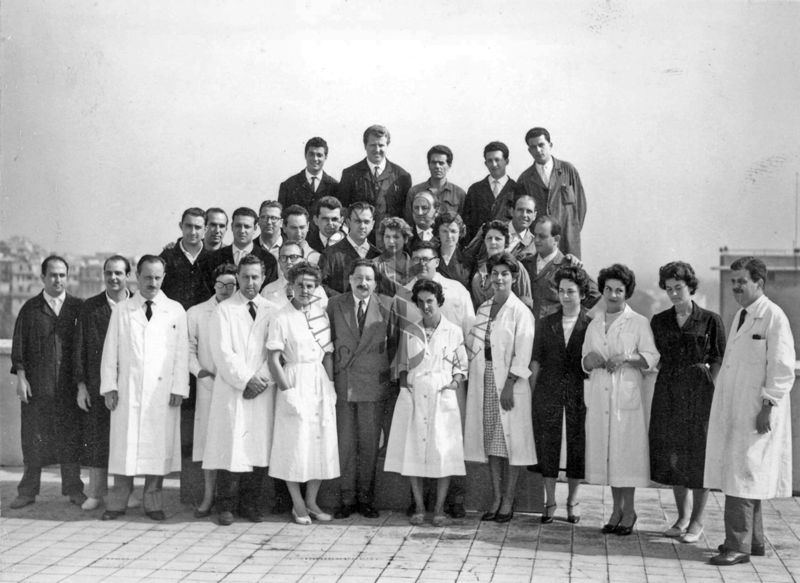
[(692, 537), (91, 503), (134, 502), (675, 531)]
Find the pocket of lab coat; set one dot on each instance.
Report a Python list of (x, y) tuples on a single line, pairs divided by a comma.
[(629, 395), (567, 194)]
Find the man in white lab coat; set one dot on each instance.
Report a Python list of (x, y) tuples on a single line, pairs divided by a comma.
[(241, 415), (144, 377), (749, 446)]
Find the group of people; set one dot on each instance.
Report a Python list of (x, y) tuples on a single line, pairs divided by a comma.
[(463, 329)]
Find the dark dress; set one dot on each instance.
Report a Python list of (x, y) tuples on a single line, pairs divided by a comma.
[(559, 393), (683, 393)]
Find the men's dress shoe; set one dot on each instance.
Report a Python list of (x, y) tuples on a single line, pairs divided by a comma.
[(344, 511), (21, 502), (368, 511), (755, 550), (504, 517), (91, 503), (112, 514), (729, 558), (202, 513), (254, 515), (225, 518), (321, 516), (156, 515), (457, 510), (78, 499)]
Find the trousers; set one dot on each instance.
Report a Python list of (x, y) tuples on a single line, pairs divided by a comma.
[(744, 527)]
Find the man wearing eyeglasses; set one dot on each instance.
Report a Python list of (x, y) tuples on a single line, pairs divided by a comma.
[(270, 221), (280, 292)]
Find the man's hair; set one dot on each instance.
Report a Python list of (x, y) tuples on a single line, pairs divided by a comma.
[(520, 195), (395, 224), (316, 142), (621, 272), (446, 218), (328, 202), (754, 266), (504, 258), (555, 226), (430, 286), (118, 258), (145, 259), (443, 150), (290, 243), (576, 275), (432, 244), (304, 268), (244, 211), (216, 210), (495, 147), (378, 131), (194, 212), (358, 207), (224, 269), (364, 263), (50, 258), (250, 259), (294, 209), (679, 270), (270, 204), (534, 133)]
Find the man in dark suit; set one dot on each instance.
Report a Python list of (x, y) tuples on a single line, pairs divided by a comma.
[(556, 187), (310, 184), (243, 225), (337, 260), (448, 196), (375, 180), (360, 332), (328, 221), (492, 197), (185, 279)]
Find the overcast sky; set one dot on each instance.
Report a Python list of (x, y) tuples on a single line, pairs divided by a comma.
[(682, 118)]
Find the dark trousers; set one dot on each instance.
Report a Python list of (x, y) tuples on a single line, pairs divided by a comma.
[(31, 481), (744, 527), (152, 498), (248, 487), (359, 431)]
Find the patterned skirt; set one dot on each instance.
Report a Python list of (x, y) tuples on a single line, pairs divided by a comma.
[(494, 441)]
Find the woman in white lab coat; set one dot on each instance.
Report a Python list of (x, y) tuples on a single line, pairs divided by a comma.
[(618, 348), (499, 427)]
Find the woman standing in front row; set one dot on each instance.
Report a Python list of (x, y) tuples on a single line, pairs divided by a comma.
[(691, 341), (618, 347), (498, 425)]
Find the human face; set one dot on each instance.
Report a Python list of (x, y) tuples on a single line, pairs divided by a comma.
[(495, 163), (328, 221), (55, 278), (614, 295), (296, 228), (570, 296), (438, 166), (376, 149), (678, 292), (502, 279), (315, 160), (393, 240), (224, 286), (193, 229), (250, 279), (360, 223), (426, 261), (150, 279), (423, 212), (428, 305), (114, 276), (540, 149), (269, 221), (745, 290), (543, 239), (217, 227), (244, 229), (304, 287), (362, 282), (289, 256), (449, 234), (495, 242), (524, 213)]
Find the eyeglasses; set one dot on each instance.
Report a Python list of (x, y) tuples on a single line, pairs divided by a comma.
[(227, 286), (270, 219), (422, 260), (290, 257)]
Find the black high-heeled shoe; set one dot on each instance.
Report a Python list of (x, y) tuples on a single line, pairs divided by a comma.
[(623, 530), (491, 515), (547, 516), (571, 516), (611, 527)]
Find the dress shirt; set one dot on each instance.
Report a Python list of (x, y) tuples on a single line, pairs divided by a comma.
[(515, 238), (424, 235), (112, 303), (317, 177), (275, 248), (191, 257), (380, 167), (362, 249), (238, 254), (56, 302), (545, 170), (501, 183), (541, 262), (366, 304)]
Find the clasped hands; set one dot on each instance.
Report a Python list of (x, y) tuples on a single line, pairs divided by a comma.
[(594, 360), (255, 386)]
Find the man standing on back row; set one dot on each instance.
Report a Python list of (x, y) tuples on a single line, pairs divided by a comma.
[(311, 184)]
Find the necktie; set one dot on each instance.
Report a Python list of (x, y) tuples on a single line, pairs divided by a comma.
[(252, 309), (313, 184), (495, 187), (742, 316), (54, 306), (148, 309), (375, 175), (361, 315)]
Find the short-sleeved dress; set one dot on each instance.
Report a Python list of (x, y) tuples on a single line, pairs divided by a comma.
[(304, 444)]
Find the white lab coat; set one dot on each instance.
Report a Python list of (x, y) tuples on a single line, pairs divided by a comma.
[(239, 430), (426, 439), (617, 448), (199, 319), (512, 343), (758, 364), (145, 361)]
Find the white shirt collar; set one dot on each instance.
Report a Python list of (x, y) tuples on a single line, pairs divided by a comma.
[(542, 261), (365, 300), (113, 303), (317, 176), (362, 249), (381, 167), (59, 298), (501, 181), (191, 257), (238, 254)]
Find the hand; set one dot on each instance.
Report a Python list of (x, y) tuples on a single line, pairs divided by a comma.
[(573, 261), (169, 245), (250, 392), (204, 373), (23, 389), (763, 424), (593, 361), (451, 386), (507, 398), (84, 401), (615, 363), (257, 384), (175, 400), (112, 398)]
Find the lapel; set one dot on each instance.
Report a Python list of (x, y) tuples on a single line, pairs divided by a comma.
[(45, 306), (136, 309), (555, 178), (580, 325), (558, 330), (753, 313), (348, 307), (549, 268)]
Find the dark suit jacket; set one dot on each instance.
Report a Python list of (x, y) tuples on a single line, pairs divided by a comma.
[(314, 241), (388, 196), (225, 255), (560, 373), (295, 190), (185, 282), (361, 363), (481, 205), (335, 263), (543, 286)]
